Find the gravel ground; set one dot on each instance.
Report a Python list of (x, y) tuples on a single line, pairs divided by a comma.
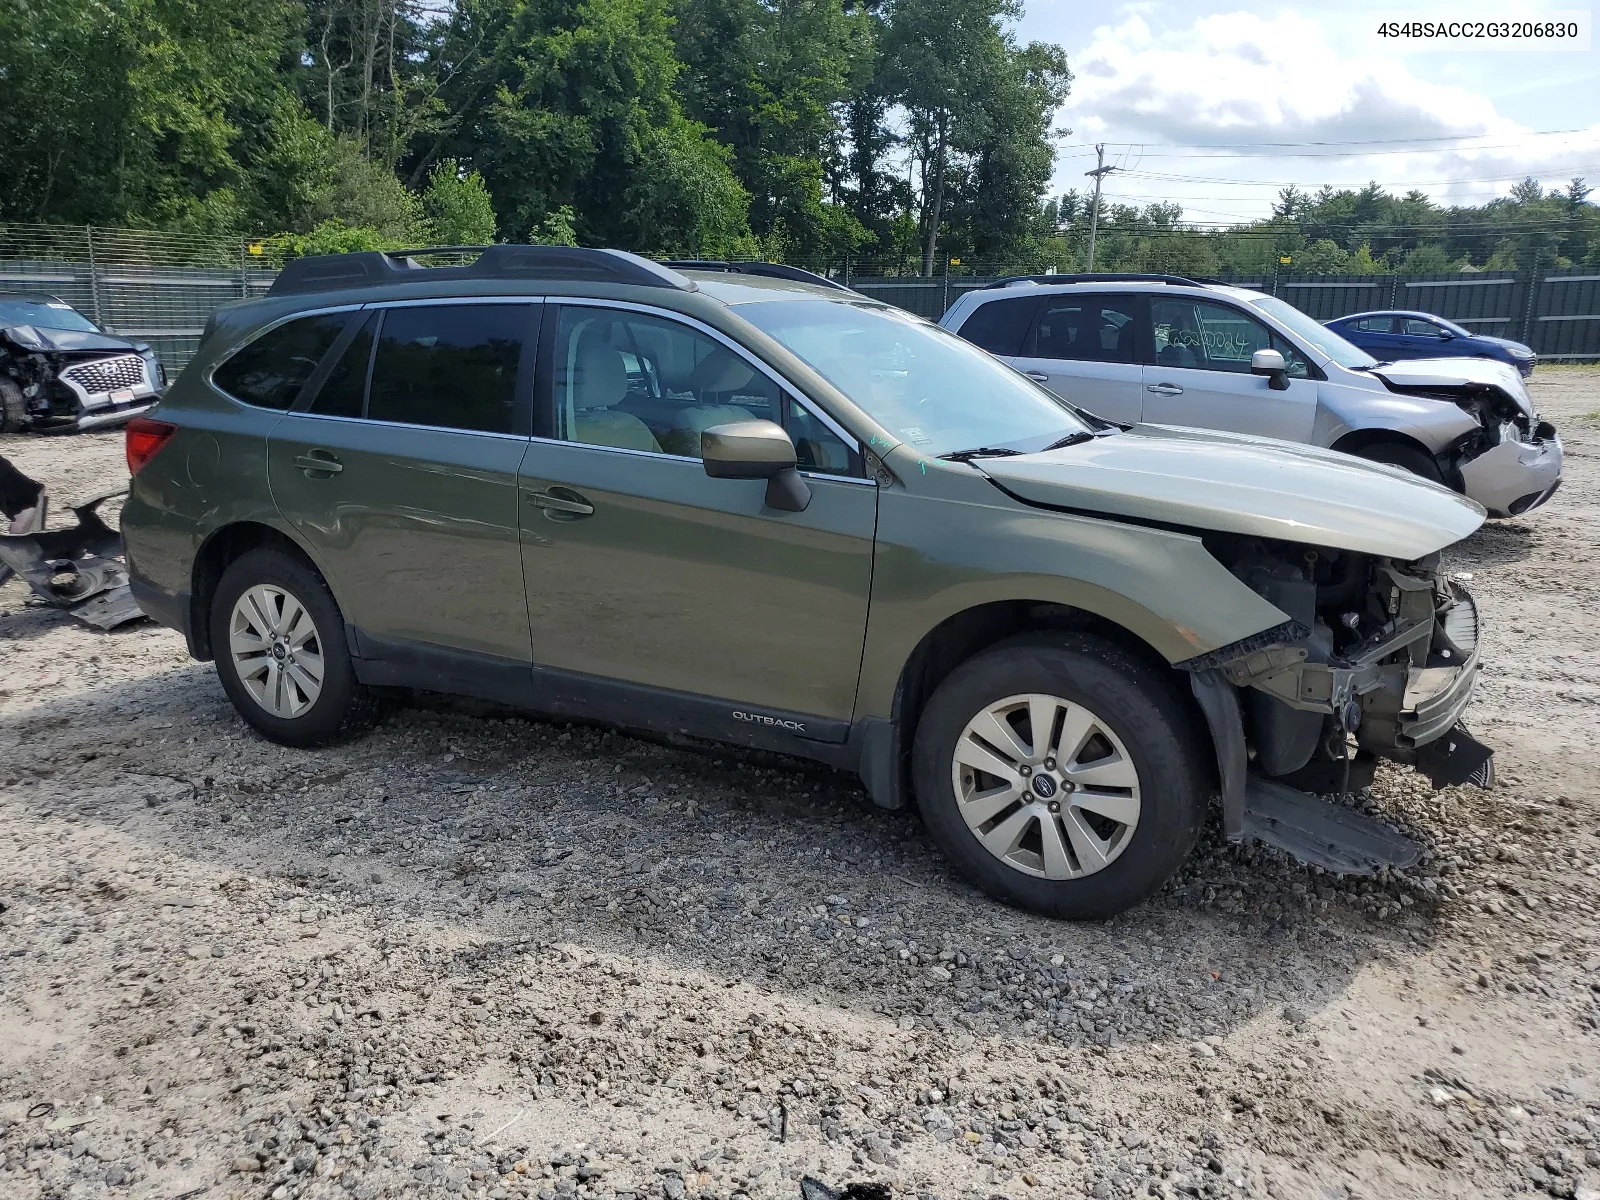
[(475, 954)]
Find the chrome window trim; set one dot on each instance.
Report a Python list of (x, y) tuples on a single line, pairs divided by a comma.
[(665, 314), (316, 416), (258, 334), (684, 458), (440, 301)]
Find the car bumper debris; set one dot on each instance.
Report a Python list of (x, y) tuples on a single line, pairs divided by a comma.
[(78, 569)]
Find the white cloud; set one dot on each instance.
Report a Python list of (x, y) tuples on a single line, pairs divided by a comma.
[(1244, 77)]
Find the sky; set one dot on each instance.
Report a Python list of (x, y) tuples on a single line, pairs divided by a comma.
[(1187, 97)]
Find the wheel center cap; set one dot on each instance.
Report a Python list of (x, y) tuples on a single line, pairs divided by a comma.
[(278, 652), (1044, 786)]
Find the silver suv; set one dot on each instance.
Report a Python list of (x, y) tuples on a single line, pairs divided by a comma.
[(1164, 350)]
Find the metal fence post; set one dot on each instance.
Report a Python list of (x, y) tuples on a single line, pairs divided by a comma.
[(94, 275), (244, 278), (946, 307), (1533, 295)]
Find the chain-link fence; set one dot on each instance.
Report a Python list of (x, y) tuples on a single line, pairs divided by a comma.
[(161, 287), (150, 285)]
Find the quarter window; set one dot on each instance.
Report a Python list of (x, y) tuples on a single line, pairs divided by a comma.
[(271, 371), (1215, 337), (451, 365), (1000, 326), (344, 392)]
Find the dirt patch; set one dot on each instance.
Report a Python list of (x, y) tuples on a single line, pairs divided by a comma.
[(477, 954)]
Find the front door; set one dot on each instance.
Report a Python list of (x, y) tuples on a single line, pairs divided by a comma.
[(400, 475), (1087, 349), (654, 591), (1201, 377)]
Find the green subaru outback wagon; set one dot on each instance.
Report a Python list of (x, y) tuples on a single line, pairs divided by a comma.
[(741, 503)]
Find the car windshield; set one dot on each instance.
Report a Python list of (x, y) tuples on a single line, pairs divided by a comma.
[(937, 392), (1313, 331), (43, 314)]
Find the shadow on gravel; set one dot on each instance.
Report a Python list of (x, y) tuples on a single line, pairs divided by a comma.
[(1497, 543), (749, 867)]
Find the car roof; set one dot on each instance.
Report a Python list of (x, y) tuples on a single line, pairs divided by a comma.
[(750, 289), (1393, 312), (33, 297), (1030, 287)]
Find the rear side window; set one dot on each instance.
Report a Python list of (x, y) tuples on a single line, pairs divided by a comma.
[(454, 365), (1090, 328), (1001, 325), (271, 370), (1373, 324)]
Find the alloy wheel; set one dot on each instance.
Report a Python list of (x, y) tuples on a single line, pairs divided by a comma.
[(276, 650), (1046, 786)]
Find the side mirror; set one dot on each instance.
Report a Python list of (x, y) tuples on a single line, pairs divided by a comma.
[(756, 450), (1447, 334), (1270, 363)]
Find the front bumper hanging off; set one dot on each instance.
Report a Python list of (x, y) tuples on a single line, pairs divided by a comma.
[(1425, 732)]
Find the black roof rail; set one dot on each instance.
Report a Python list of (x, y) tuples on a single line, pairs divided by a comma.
[(769, 270), (1095, 277), (330, 272)]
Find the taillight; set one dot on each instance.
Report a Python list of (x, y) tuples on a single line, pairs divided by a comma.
[(144, 438)]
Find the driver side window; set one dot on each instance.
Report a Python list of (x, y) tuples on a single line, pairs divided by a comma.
[(1417, 328), (1215, 337), (634, 381)]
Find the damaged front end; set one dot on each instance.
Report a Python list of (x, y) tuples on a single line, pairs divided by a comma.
[(1378, 660), (78, 569), (62, 380), (1511, 463)]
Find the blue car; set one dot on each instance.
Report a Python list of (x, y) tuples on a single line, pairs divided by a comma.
[(1391, 336)]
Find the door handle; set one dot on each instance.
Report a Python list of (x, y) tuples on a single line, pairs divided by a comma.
[(561, 504), (1164, 389), (318, 463), (1037, 376)]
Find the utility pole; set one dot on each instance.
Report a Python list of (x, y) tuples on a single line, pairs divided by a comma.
[(1100, 171)]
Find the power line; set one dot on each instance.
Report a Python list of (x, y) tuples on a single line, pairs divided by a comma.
[(1355, 142), (1402, 183)]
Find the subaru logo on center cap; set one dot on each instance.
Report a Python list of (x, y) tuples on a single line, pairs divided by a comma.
[(1044, 786)]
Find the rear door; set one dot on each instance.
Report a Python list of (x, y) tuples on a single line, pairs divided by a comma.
[(1088, 349), (1201, 377), (399, 471)]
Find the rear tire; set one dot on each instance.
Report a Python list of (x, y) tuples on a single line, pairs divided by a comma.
[(1084, 838), (13, 408), (1398, 454), (281, 654)]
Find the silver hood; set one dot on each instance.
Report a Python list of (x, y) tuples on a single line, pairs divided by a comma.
[(1455, 377), (1233, 483)]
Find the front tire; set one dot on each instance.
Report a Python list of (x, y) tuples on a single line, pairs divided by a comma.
[(279, 643), (1060, 774), (1397, 454)]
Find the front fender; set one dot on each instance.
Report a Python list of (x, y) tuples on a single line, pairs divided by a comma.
[(969, 545), (1343, 409)]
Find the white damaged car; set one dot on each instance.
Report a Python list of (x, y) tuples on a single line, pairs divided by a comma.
[(1164, 350)]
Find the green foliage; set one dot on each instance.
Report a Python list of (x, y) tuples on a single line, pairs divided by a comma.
[(1429, 259), (457, 208)]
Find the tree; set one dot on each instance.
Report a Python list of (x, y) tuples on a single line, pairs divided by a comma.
[(767, 77), (457, 207), (956, 71), (571, 103)]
